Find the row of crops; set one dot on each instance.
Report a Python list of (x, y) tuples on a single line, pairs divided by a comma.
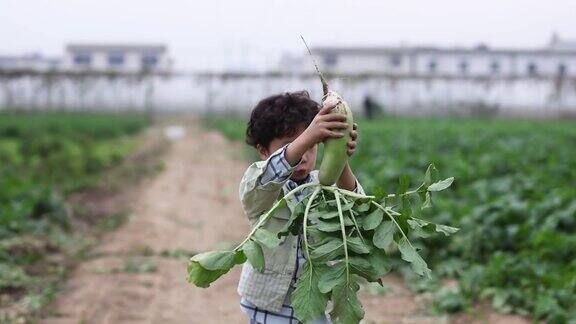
[(44, 158), (514, 200)]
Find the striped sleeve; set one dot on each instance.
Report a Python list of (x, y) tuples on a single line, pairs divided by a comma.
[(277, 168)]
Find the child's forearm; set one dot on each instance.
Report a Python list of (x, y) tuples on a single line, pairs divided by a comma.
[(347, 179), (296, 149)]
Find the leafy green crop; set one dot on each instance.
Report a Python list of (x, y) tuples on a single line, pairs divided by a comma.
[(45, 157), (347, 238), (513, 202)]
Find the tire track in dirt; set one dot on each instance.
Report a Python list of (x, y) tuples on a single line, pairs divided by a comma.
[(192, 205)]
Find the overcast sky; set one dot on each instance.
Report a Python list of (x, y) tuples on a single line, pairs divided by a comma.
[(216, 34)]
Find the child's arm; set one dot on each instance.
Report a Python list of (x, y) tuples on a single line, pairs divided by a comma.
[(347, 179), (322, 127), (262, 183)]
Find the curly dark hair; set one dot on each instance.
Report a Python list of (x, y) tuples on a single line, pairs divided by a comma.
[(280, 115)]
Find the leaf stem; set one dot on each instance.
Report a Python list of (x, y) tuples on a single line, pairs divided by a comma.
[(403, 194), (342, 228), (395, 222), (347, 192), (354, 221), (428, 222), (271, 211), (305, 222)]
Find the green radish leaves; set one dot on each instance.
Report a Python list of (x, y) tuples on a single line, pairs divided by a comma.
[(441, 185), (357, 245), (347, 307), (332, 276), (218, 260), (328, 251), (426, 229), (379, 261), (372, 220), (346, 237), (266, 238), (202, 277), (410, 254), (254, 254), (363, 268), (308, 301), (428, 186), (205, 268), (384, 235)]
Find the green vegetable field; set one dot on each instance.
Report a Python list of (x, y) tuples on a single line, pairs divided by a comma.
[(43, 159), (513, 200)]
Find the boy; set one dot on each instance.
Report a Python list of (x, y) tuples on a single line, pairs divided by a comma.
[(285, 130)]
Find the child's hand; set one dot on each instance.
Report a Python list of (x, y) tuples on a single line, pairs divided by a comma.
[(351, 146), (325, 125)]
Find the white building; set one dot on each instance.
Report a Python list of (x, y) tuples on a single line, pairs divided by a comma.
[(29, 62), (116, 57), (476, 81), (558, 58)]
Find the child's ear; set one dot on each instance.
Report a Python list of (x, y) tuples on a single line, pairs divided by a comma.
[(262, 151)]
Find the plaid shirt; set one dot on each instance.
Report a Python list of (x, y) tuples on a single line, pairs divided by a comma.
[(266, 295)]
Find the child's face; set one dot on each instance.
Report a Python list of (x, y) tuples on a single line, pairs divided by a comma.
[(308, 159)]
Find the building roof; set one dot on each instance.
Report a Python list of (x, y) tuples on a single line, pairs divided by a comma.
[(562, 44), (7, 59), (29, 57), (384, 50), (92, 47)]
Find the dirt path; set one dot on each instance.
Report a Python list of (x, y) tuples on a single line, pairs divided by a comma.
[(134, 275)]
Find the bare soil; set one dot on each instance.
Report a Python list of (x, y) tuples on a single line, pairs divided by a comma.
[(138, 273)]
